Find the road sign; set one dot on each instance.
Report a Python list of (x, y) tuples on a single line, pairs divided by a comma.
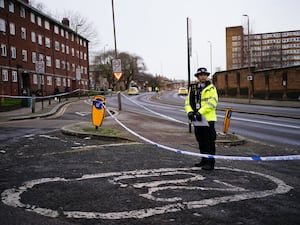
[(118, 75), (116, 63)]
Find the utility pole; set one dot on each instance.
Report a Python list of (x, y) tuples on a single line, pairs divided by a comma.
[(249, 77), (114, 27), (189, 51)]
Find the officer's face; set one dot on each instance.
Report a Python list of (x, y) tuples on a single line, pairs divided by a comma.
[(202, 77)]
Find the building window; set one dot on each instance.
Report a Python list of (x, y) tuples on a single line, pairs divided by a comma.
[(48, 61), (67, 35), (24, 55), (12, 28), (3, 50), (56, 30), (73, 52), (57, 64), (13, 52), (35, 79), (47, 42), (23, 33), (11, 7), (33, 55), (2, 25), (4, 75), (58, 81), (22, 12), (56, 45), (67, 50), (14, 76), (40, 39), (39, 21), (62, 32), (32, 17), (33, 37), (47, 25), (2, 3), (62, 48), (49, 80)]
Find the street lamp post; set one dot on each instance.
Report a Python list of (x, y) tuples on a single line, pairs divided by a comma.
[(210, 56), (249, 77)]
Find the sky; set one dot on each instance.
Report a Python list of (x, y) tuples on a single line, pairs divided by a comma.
[(156, 30)]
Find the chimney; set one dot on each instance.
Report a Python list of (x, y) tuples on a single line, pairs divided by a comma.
[(65, 21)]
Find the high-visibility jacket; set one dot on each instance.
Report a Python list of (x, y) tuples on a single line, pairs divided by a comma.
[(207, 105)]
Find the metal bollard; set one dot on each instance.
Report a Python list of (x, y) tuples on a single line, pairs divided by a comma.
[(227, 120)]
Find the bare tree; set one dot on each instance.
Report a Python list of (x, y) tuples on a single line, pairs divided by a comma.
[(78, 23)]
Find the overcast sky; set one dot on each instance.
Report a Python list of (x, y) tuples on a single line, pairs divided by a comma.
[(156, 29)]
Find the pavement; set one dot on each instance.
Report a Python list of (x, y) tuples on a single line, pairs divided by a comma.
[(174, 134), (111, 130)]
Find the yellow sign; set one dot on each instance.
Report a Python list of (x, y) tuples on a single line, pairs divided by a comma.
[(118, 75)]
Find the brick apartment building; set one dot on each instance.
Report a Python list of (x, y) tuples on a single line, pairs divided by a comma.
[(267, 50), (38, 53), (273, 69)]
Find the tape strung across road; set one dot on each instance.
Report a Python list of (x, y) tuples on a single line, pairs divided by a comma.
[(243, 158)]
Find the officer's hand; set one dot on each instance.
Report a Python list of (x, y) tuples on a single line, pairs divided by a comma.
[(198, 116), (191, 116)]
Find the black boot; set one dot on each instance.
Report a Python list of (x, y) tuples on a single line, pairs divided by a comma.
[(210, 165), (202, 163)]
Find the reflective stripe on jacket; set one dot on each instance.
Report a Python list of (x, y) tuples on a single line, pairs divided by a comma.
[(209, 101)]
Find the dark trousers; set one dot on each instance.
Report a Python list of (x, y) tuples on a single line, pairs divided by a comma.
[(206, 137)]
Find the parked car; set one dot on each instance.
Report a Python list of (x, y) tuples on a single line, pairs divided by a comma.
[(133, 91), (183, 91)]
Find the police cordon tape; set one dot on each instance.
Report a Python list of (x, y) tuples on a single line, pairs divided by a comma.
[(179, 151), (40, 97)]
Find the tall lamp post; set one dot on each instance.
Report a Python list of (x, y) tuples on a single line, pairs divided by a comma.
[(249, 77), (210, 56)]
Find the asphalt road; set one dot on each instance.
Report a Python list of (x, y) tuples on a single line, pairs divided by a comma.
[(52, 178)]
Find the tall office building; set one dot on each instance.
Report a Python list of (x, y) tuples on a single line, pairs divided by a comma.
[(39, 54), (267, 50)]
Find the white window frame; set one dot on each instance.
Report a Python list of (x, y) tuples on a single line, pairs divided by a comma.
[(11, 7), (58, 81), (12, 29), (4, 75), (32, 17), (56, 29), (14, 76), (24, 55), (13, 51), (39, 21), (57, 63), (48, 61), (33, 56), (22, 12), (47, 42), (2, 4), (2, 25), (40, 39), (23, 33), (3, 50), (35, 78), (56, 44), (33, 37), (49, 80), (47, 25)]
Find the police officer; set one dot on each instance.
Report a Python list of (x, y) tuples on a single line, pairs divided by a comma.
[(200, 106)]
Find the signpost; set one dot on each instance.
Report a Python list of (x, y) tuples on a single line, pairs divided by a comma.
[(117, 68)]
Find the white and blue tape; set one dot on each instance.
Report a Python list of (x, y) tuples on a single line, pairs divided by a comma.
[(179, 151)]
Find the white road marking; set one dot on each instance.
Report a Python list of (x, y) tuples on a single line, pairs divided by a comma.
[(12, 197), (83, 113)]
